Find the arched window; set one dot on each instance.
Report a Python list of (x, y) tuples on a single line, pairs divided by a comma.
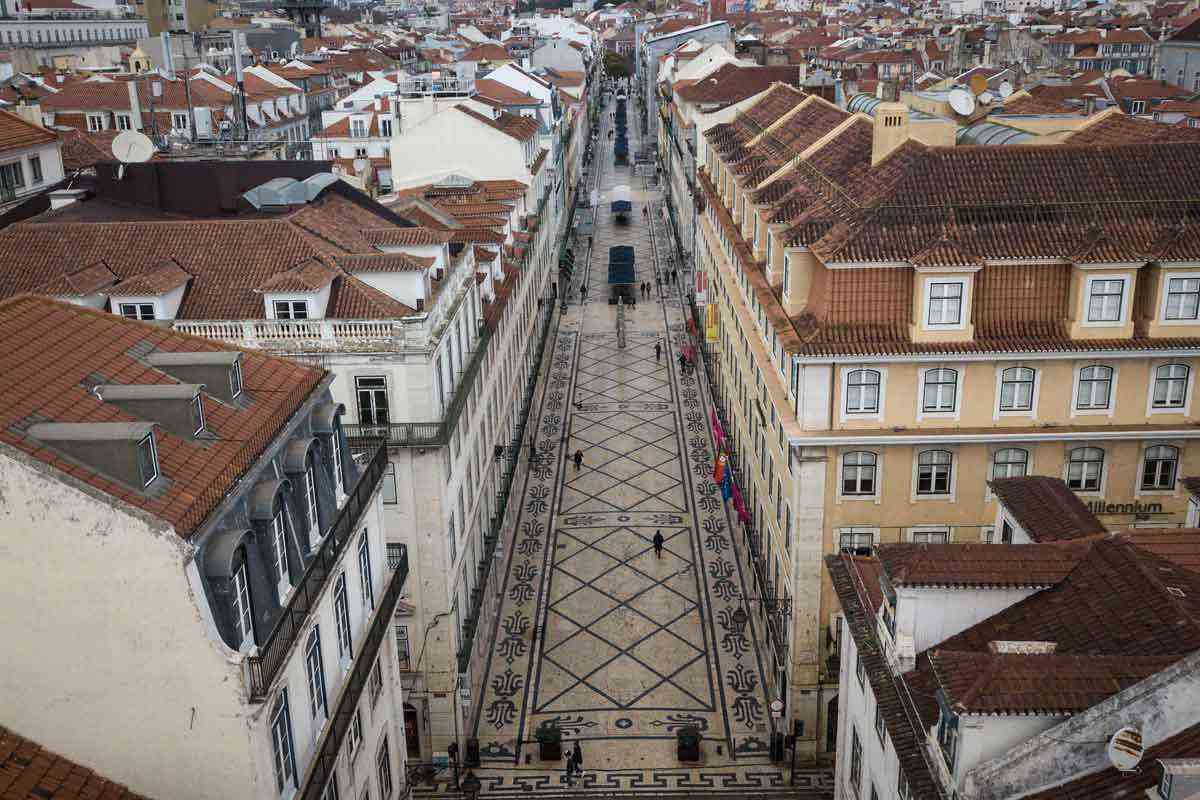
[(941, 388), (934, 470), (862, 391), (1011, 462), (858, 473), (1016, 389), (1170, 386), (1095, 387), (1160, 467), (1085, 466)]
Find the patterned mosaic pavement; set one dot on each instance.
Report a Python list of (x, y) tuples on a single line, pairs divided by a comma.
[(615, 644)]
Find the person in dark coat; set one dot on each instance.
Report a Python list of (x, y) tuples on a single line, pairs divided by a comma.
[(577, 754), (578, 458), (658, 351), (658, 544)]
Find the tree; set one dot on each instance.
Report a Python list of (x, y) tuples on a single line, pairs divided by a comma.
[(616, 65)]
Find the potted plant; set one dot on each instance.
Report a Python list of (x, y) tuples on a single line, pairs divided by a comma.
[(549, 739), (688, 743)]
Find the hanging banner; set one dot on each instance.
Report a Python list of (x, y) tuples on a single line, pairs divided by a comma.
[(727, 486), (711, 323), (718, 431), (719, 468)]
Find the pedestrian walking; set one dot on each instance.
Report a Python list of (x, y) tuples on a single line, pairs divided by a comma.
[(553, 290), (577, 753), (658, 279), (532, 454), (578, 457), (674, 276), (658, 351), (645, 212), (658, 544)]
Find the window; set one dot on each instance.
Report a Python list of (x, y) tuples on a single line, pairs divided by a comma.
[(941, 386), (375, 683), (1105, 299), (858, 542), (384, 762), (95, 122), (341, 615), (1183, 299), (281, 744), (1137, 107), (1016, 389), (862, 391), (243, 615), (358, 128), (855, 761), (1170, 386), (180, 122), (147, 459), (372, 401), (12, 176), (197, 415), (1095, 388), (355, 737), (364, 570), (291, 309), (1164, 785), (137, 310), (35, 168), (388, 486), (310, 504), (1159, 468), (1011, 462), (385, 127), (858, 473), (1006, 532), (1085, 466), (316, 675), (280, 553), (948, 738), (403, 654), (931, 537), (880, 729), (945, 303), (934, 471), (124, 122), (235, 379)]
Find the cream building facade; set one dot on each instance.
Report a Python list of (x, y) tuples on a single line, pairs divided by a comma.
[(889, 325)]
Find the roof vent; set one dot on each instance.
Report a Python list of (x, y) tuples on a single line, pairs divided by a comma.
[(178, 407), (121, 451), (282, 192), (1175, 590), (1022, 648), (220, 371)]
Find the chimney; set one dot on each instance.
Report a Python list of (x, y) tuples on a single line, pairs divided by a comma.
[(64, 197), (891, 123), (987, 54), (135, 106), (1089, 104)]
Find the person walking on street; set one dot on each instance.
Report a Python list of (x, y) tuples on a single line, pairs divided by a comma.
[(578, 457), (532, 454), (658, 351), (674, 276), (658, 279), (658, 544), (577, 754)]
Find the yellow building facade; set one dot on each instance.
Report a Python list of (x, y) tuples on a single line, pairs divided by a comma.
[(897, 324)]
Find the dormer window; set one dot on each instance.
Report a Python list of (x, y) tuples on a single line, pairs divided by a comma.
[(198, 414), (235, 379), (291, 309), (1105, 300), (147, 459), (945, 304), (142, 311)]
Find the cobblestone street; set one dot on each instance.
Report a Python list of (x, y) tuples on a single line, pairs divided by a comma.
[(618, 646)]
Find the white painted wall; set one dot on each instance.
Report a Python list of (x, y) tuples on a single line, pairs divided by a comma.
[(930, 615), (451, 142)]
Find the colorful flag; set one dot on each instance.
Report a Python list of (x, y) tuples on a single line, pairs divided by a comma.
[(727, 486), (719, 468)]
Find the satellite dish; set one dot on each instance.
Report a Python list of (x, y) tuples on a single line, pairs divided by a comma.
[(132, 147), (986, 98), (978, 84), (962, 101), (1125, 749), (1006, 90)]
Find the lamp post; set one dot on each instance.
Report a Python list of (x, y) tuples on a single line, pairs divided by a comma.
[(739, 620)]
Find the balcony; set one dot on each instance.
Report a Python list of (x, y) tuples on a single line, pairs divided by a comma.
[(325, 761), (265, 665), (312, 334), (427, 434)]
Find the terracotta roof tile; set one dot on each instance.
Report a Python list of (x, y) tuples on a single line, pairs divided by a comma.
[(518, 127), (29, 771), (384, 262), (82, 342), (404, 237), (17, 134), (1045, 508), (307, 276), (159, 280), (733, 83), (979, 565)]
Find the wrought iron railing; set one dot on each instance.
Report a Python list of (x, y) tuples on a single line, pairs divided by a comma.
[(427, 434), (325, 761), (273, 654)]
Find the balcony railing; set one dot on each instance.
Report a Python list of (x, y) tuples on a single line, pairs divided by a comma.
[(273, 654), (325, 760), (306, 332), (428, 434)]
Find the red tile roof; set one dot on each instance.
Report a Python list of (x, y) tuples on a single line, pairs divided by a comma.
[(518, 127), (29, 771), (1045, 508), (17, 134), (979, 565), (81, 342)]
